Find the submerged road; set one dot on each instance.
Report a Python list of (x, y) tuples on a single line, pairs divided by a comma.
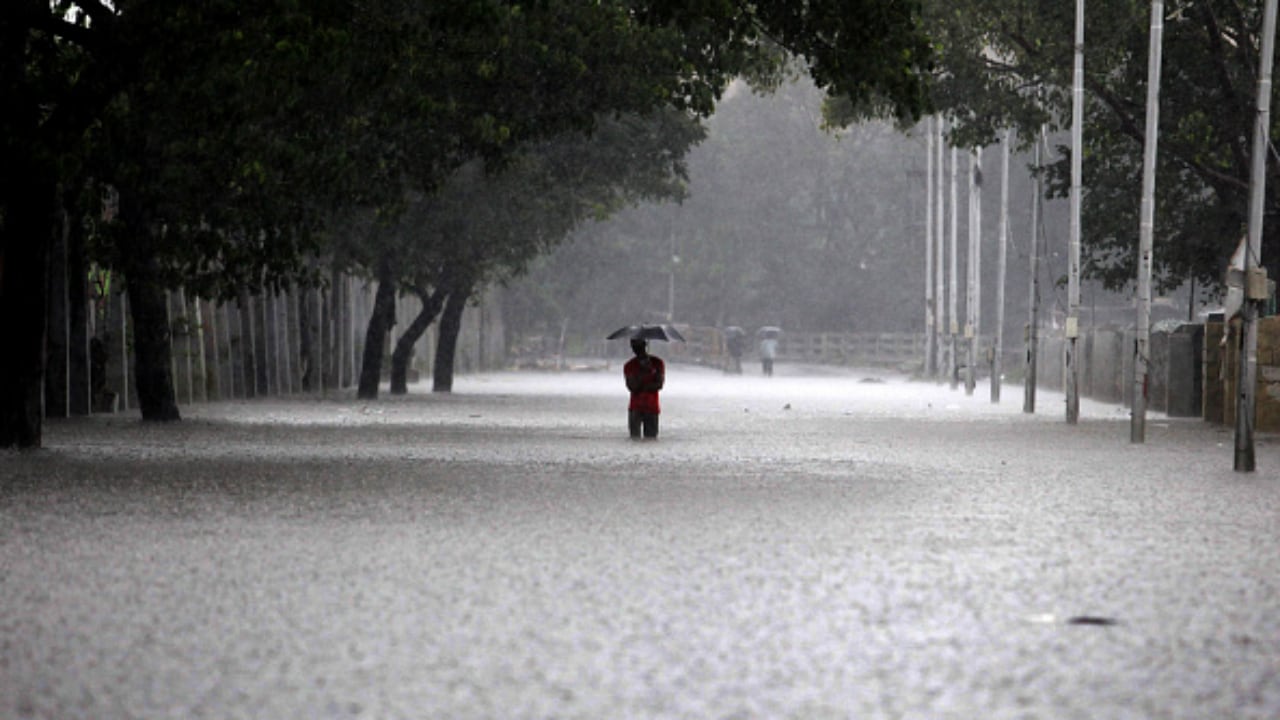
[(845, 546)]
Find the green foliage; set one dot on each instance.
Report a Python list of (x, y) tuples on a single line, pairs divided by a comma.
[(1003, 64)]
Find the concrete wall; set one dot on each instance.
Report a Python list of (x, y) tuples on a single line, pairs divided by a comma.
[(1175, 373)]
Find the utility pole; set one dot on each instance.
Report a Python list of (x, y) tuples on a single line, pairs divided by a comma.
[(1146, 229), (1071, 335), (671, 280), (1255, 278), (930, 348), (973, 288), (1033, 323), (940, 252), (953, 295), (997, 365)]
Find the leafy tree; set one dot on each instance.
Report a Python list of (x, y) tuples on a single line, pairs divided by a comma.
[(227, 133), (1003, 64)]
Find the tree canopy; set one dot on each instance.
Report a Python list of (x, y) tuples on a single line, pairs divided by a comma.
[(1010, 63)]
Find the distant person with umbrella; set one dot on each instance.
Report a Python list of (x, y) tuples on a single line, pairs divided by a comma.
[(768, 348), (733, 340), (645, 375)]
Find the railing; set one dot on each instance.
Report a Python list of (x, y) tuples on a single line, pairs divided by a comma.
[(706, 345), (873, 349)]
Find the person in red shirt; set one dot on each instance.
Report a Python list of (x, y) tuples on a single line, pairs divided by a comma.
[(645, 375)]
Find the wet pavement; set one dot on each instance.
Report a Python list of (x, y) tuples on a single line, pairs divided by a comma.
[(850, 545)]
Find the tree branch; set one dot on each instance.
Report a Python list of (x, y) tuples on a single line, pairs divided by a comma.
[(1214, 36)]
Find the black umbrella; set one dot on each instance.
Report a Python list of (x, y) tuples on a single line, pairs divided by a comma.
[(769, 331), (646, 332)]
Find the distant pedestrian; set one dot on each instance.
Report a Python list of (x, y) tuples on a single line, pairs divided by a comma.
[(645, 375), (733, 341), (768, 351)]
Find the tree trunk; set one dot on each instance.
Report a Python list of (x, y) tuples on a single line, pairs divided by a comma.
[(332, 331), (248, 351), (306, 341), (446, 348), (380, 322), (55, 356), (148, 303), (261, 354), (78, 314), (431, 304), (23, 266)]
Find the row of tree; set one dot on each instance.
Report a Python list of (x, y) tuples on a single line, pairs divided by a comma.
[(433, 145), (1009, 64), (786, 227)]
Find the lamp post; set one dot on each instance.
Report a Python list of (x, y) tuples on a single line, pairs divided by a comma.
[(1255, 276)]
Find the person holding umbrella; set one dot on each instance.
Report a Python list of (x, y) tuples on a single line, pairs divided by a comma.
[(645, 375), (768, 347)]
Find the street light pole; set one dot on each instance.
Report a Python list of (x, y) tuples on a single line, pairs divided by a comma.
[(1033, 321), (1146, 230), (671, 280), (1255, 276), (952, 292), (1071, 364), (940, 251), (973, 289), (930, 347), (997, 366)]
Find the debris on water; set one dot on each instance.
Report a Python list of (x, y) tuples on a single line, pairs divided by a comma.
[(1092, 620)]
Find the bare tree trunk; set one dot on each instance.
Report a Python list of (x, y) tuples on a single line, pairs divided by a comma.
[(152, 350), (349, 328), (261, 351), (292, 327), (248, 351), (450, 326), (23, 265), (333, 332), (384, 315), (306, 342), (211, 361), (431, 303), (80, 385), (55, 359)]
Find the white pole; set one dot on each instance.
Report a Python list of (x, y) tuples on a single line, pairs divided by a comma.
[(1071, 367), (940, 252), (953, 293), (1146, 228), (973, 290), (930, 356), (1033, 322), (997, 366), (1246, 388)]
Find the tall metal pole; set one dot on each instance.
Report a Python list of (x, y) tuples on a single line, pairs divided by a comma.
[(997, 366), (671, 281), (1033, 322), (973, 289), (1255, 277), (953, 294), (1146, 230), (940, 252), (1071, 364), (930, 346)]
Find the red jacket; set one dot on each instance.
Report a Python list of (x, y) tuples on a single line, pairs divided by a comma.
[(645, 376)]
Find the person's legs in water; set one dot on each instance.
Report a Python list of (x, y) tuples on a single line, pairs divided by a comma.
[(651, 426), (634, 423)]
